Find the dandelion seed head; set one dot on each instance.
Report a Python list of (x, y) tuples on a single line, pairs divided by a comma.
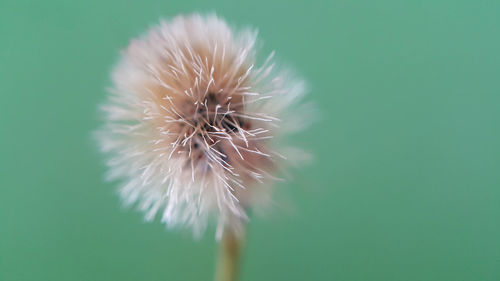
[(191, 123)]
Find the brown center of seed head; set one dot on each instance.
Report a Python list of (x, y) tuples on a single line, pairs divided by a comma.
[(204, 119)]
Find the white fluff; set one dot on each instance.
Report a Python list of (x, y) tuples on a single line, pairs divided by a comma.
[(191, 124)]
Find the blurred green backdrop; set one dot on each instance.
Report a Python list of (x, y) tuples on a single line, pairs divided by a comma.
[(405, 185)]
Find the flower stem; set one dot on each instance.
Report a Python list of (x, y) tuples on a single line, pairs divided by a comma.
[(229, 257)]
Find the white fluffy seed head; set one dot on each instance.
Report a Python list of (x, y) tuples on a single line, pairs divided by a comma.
[(191, 123)]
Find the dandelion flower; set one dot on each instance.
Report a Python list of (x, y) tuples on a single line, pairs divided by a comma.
[(193, 123)]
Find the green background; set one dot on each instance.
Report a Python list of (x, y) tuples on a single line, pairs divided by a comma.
[(405, 184)]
